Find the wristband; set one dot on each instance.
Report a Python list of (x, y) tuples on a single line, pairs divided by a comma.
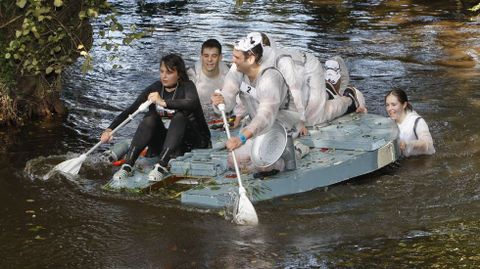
[(243, 139)]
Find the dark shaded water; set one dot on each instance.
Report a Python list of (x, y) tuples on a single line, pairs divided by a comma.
[(422, 214)]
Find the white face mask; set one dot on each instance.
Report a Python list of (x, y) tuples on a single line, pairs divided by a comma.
[(332, 73)]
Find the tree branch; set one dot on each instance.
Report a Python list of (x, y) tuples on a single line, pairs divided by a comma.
[(12, 20)]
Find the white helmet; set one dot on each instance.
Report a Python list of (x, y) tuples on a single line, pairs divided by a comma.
[(249, 42), (332, 73)]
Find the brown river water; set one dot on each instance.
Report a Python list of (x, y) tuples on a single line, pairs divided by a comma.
[(423, 212)]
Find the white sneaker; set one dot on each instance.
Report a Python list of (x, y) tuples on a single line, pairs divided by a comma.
[(124, 172), (301, 150), (158, 173)]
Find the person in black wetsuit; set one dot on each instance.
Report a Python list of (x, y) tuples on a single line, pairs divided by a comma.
[(188, 128)]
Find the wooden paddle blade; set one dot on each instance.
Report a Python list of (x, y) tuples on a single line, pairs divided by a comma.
[(245, 213)]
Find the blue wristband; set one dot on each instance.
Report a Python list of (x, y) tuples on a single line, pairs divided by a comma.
[(243, 139)]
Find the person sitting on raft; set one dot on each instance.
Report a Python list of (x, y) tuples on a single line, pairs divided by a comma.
[(305, 78), (208, 73), (262, 90), (414, 136), (188, 128), (337, 82)]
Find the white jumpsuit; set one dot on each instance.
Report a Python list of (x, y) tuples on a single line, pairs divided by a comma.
[(305, 77), (206, 85), (267, 99)]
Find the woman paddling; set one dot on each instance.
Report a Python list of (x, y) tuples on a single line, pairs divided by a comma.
[(187, 130), (414, 137)]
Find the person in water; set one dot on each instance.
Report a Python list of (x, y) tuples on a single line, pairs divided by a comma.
[(414, 136), (187, 129), (337, 82), (208, 73)]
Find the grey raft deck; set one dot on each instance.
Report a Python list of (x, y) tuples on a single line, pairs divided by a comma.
[(347, 147)]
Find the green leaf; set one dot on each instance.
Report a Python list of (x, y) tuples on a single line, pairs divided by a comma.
[(58, 3), (92, 13), (475, 8), (18, 33), (21, 3), (49, 70), (82, 14), (80, 46), (57, 49), (8, 56)]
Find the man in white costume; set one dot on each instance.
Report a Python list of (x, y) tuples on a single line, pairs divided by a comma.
[(337, 80), (305, 78), (208, 73), (261, 88)]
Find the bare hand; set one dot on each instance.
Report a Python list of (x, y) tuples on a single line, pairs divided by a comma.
[(233, 143), (303, 129), (217, 98), (402, 145), (361, 109), (106, 136), (155, 98)]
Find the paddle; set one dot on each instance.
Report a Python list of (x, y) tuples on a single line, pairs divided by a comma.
[(245, 212), (72, 166)]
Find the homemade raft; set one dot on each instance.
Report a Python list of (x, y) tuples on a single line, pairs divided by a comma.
[(347, 147)]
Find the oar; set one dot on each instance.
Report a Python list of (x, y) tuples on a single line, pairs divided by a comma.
[(72, 166), (245, 212)]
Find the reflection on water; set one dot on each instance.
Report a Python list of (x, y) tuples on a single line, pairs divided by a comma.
[(423, 213)]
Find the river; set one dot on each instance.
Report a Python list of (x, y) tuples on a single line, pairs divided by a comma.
[(421, 213)]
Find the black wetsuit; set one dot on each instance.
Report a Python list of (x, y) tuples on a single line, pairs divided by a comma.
[(187, 130)]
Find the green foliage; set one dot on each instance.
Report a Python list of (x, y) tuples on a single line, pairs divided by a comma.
[(40, 37), (475, 8)]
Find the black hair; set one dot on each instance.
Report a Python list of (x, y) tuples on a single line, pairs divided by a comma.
[(175, 62), (265, 40), (401, 96), (212, 43)]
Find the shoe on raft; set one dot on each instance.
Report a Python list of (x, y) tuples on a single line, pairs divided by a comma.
[(124, 172), (158, 173), (349, 92)]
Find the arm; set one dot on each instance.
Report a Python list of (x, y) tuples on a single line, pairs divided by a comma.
[(106, 135), (294, 82), (271, 90), (423, 145), (239, 111), (230, 89), (133, 107)]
